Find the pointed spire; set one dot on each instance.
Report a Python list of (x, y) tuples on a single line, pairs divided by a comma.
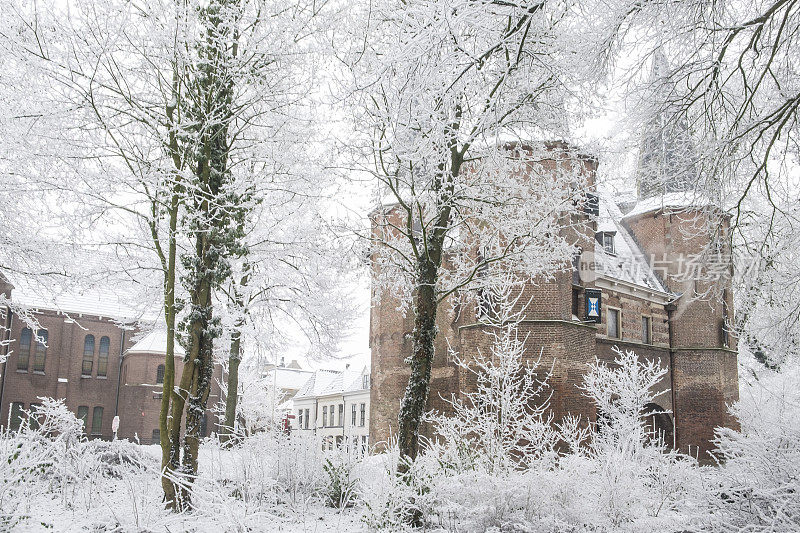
[(666, 156)]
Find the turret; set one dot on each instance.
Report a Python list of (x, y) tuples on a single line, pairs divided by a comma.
[(684, 235)]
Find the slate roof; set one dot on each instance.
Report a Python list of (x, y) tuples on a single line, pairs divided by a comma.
[(628, 263)]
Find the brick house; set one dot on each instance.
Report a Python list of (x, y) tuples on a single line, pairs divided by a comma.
[(634, 294), (96, 360)]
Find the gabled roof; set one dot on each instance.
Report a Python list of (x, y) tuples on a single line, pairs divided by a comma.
[(319, 381), (628, 263), (327, 382), (286, 378)]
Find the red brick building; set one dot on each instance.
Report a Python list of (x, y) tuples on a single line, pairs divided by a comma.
[(643, 262), (101, 366)]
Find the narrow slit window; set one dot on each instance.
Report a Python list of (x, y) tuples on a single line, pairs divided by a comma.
[(613, 323)]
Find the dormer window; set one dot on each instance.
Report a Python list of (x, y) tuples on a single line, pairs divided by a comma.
[(608, 243), (606, 239)]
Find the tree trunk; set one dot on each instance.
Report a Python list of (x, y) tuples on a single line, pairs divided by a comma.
[(168, 390), (234, 358), (416, 396)]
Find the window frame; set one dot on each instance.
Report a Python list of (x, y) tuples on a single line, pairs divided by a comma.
[(88, 353), (97, 422), (102, 358), (40, 353), (84, 418), (647, 329), (609, 248), (24, 350), (610, 311)]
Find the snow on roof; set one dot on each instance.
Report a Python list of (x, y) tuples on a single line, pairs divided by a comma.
[(288, 378), (318, 381), (673, 200), (106, 304), (628, 263), (155, 342), (326, 382)]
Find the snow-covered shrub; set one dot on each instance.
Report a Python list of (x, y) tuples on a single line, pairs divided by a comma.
[(504, 423), (267, 468), (634, 475), (340, 483), (757, 485), (389, 499)]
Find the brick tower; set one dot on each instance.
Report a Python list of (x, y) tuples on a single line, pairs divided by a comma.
[(563, 343), (684, 234)]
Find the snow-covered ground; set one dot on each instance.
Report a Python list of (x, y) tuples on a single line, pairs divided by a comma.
[(51, 479)]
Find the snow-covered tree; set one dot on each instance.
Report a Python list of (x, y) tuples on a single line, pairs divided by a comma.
[(166, 124), (505, 421), (455, 99)]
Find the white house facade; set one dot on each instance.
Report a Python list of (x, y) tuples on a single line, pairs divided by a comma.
[(334, 406)]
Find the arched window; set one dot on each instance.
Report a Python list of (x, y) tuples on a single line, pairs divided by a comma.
[(160, 374), (83, 415), (40, 356), (658, 424), (24, 349), (97, 421), (88, 355), (102, 359)]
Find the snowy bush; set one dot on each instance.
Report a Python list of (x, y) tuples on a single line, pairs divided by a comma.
[(757, 486)]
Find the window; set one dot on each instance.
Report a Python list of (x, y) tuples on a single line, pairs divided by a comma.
[(363, 419), (83, 416), (88, 355), (102, 358), (613, 323), (333, 415), (363, 444), (575, 307), (33, 415), (160, 374), (97, 421), (608, 243), (325, 416), (341, 414), (353, 416), (365, 381), (24, 349), (306, 418), (17, 409), (300, 419), (40, 356), (647, 331), (725, 338), (156, 438)]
